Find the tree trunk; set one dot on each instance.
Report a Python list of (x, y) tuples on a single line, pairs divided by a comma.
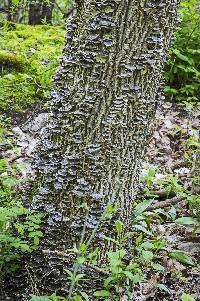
[(107, 89), (39, 12), (10, 12)]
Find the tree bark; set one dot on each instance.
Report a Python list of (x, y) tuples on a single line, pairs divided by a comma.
[(107, 88), (40, 11), (10, 13)]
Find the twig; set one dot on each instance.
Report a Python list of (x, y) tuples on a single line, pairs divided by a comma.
[(57, 253), (99, 270), (24, 84), (165, 203), (160, 193), (14, 158)]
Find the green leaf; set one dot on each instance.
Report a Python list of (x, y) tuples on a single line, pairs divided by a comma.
[(147, 245), (102, 293), (141, 207), (142, 229), (158, 267), (83, 248), (77, 298), (115, 268), (147, 256), (182, 257), (186, 220), (163, 287), (133, 266), (85, 296), (187, 297), (111, 239), (35, 233), (69, 273), (108, 281), (92, 255), (79, 277), (36, 241), (81, 260), (119, 226), (18, 244), (25, 248), (16, 2), (137, 278), (129, 275), (181, 56), (116, 257), (110, 209), (54, 297)]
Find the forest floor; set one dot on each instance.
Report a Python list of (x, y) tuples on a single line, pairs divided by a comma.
[(173, 155), (168, 229)]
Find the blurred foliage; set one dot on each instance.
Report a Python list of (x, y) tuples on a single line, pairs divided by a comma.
[(19, 10), (183, 69)]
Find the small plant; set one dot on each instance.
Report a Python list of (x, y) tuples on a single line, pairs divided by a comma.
[(12, 235), (149, 176), (19, 228), (125, 266), (187, 297)]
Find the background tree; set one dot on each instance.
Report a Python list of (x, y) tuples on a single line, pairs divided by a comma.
[(36, 12), (107, 89), (40, 11)]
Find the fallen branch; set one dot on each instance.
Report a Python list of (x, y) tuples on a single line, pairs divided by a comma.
[(99, 270), (166, 203), (14, 158), (161, 193)]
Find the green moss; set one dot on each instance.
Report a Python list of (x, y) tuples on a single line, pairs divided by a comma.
[(12, 60), (29, 56)]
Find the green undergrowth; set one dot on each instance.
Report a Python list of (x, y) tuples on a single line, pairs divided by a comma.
[(171, 186), (19, 227), (183, 69), (29, 56), (130, 264), (143, 251)]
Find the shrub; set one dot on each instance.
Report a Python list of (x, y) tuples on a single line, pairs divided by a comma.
[(183, 69)]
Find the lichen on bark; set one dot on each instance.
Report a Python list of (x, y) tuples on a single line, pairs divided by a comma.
[(107, 88)]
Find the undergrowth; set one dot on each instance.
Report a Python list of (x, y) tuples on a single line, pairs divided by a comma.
[(183, 69), (19, 227), (126, 267)]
